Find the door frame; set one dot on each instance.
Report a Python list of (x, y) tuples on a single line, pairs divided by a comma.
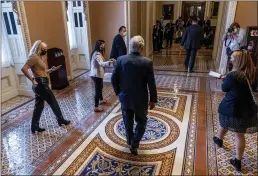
[(189, 3)]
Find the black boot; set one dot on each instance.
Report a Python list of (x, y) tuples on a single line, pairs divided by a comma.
[(218, 141), (38, 129), (63, 122), (236, 163)]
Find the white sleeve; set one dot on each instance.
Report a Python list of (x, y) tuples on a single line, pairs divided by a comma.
[(100, 60)]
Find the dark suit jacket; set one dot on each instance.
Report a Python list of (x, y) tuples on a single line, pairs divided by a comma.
[(118, 47), (131, 78), (193, 37), (238, 99)]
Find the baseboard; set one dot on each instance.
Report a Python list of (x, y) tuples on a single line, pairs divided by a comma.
[(9, 95), (28, 93)]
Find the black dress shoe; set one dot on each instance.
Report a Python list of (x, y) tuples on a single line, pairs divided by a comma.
[(236, 163), (134, 151), (218, 141), (33, 130), (64, 122)]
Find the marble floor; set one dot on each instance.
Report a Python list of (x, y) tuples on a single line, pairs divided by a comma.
[(177, 141)]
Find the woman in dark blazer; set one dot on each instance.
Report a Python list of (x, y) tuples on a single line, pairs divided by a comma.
[(235, 110)]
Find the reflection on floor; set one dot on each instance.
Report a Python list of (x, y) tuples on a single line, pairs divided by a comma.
[(173, 60), (177, 141)]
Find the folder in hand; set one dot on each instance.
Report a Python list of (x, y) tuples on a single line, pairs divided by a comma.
[(214, 74)]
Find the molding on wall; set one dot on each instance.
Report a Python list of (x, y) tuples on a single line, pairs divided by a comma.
[(87, 13), (24, 25), (127, 23), (28, 93), (9, 95)]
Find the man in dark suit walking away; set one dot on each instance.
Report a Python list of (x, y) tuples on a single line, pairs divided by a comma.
[(118, 46), (192, 41), (131, 78)]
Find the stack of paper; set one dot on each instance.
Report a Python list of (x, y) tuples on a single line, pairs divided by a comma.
[(214, 74)]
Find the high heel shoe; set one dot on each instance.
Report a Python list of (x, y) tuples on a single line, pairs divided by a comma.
[(33, 130), (64, 122), (218, 141), (236, 163)]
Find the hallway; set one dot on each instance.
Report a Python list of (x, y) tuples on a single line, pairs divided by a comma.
[(178, 138)]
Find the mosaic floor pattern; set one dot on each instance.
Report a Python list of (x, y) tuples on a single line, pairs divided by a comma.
[(218, 158), (173, 82), (163, 149)]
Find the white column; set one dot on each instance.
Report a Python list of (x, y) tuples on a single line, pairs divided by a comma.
[(230, 16), (127, 23), (179, 9)]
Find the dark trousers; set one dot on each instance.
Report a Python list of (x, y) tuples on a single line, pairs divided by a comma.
[(169, 41), (190, 58), (42, 94), (156, 45), (134, 138), (161, 41), (98, 82)]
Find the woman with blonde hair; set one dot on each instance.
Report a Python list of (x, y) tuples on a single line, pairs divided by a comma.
[(39, 79), (236, 112)]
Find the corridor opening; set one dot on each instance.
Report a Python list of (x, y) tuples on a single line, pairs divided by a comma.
[(78, 37)]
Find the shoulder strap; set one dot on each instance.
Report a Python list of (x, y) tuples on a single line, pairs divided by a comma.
[(226, 42), (252, 93)]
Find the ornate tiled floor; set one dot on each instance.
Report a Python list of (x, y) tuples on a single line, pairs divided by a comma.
[(177, 141)]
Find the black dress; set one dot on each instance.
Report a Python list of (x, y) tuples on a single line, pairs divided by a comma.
[(235, 110)]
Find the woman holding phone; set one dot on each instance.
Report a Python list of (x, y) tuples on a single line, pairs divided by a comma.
[(97, 72), (39, 79)]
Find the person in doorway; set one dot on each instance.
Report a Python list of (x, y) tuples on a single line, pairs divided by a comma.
[(131, 79), (179, 23), (162, 32), (236, 111), (118, 46), (169, 32), (39, 79), (97, 72), (156, 36), (179, 29), (207, 22), (192, 41)]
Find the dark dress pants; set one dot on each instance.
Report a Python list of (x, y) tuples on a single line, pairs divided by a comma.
[(98, 82), (42, 94), (190, 58), (140, 116)]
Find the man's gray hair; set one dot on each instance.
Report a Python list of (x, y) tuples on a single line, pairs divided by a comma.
[(136, 44)]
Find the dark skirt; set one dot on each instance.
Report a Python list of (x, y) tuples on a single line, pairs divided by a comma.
[(239, 125)]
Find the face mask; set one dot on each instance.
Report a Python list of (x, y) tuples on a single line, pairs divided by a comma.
[(44, 52), (124, 34)]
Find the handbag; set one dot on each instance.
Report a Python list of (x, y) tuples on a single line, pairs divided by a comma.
[(254, 105)]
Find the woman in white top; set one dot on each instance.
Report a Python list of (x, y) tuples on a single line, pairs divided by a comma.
[(97, 72)]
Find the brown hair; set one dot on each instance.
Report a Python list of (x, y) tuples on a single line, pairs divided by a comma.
[(243, 63), (235, 24)]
